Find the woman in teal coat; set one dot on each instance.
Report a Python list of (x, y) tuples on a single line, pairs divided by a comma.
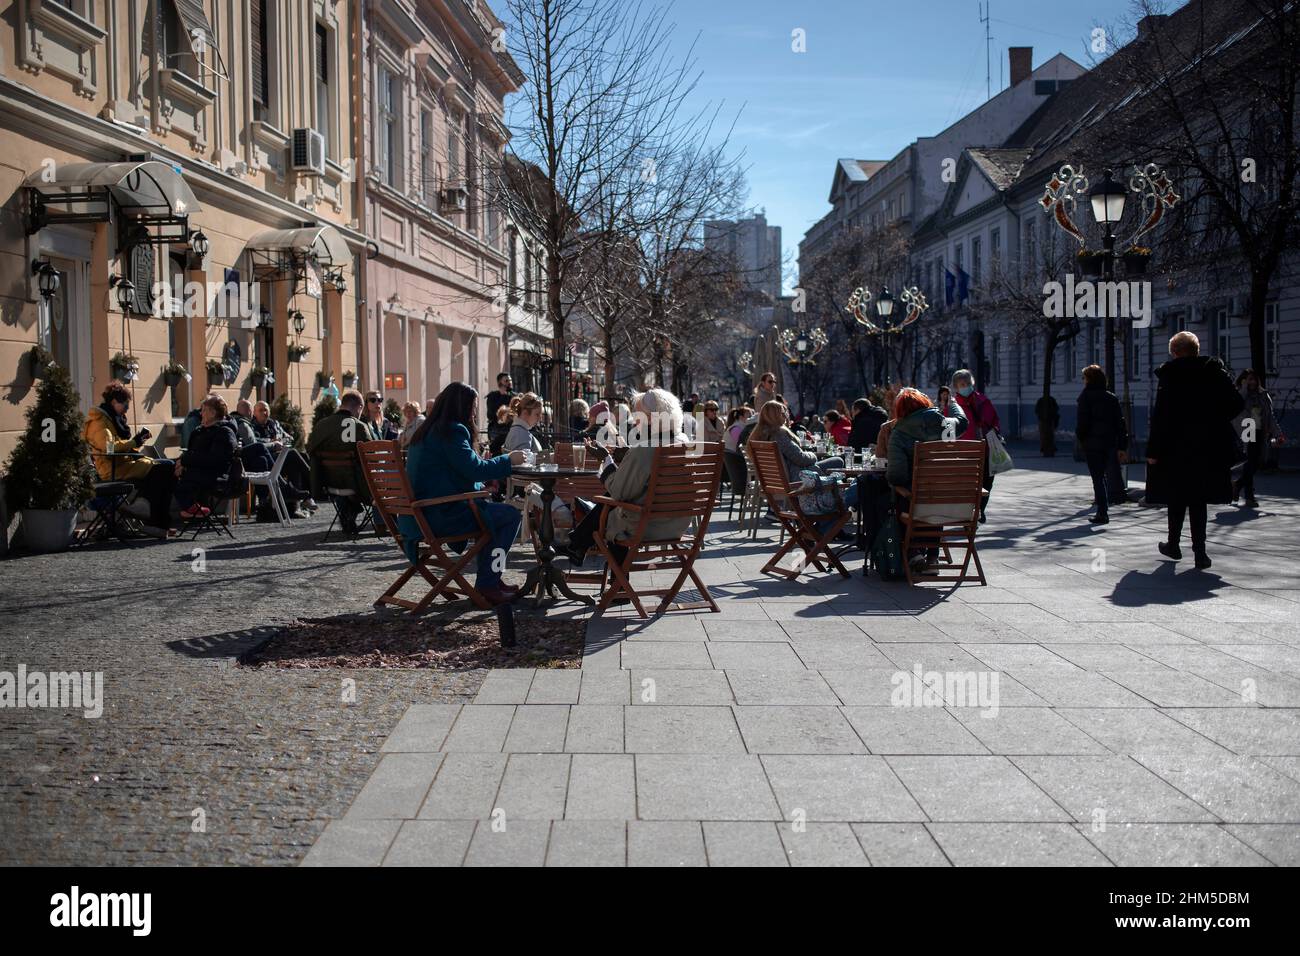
[(441, 461)]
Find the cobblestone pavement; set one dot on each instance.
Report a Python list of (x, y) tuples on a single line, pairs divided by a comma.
[(266, 755), (1146, 713)]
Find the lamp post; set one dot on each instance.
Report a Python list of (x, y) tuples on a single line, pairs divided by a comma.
[(885, 323), (1108, 201), (800, 349)]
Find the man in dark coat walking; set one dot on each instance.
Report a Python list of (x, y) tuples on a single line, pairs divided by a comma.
[(1102, 433), (1191, 447)]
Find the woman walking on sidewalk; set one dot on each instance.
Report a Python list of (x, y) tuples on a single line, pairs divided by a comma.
[(1257, 428), (1102, 433), (981, 418), (1191, 446)]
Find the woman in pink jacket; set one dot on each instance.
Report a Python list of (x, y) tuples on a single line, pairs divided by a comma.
[(981, 418)]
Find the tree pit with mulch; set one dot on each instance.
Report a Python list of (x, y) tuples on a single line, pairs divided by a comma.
[(467, 641)]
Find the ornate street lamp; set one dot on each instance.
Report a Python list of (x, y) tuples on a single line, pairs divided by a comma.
[(199, 244), (47, 278), (885, 304), (125, 291), (299, 322)]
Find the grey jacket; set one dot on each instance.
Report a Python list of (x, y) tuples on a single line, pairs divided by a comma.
[(794, 457), (630, 482), (519, 438)]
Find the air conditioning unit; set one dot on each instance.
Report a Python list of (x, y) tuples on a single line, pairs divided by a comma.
[(308, 151), (453, 199)]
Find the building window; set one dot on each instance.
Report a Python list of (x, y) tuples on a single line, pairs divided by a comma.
[(471, 183), (261, 54), (428, 167), (512, 274), (1030, 268), (995, 360), (390, 127), (528, 277), (453, 151), (1031, 361), (1223, 337), (324, 82), (995, 249), (1094, 344), (976, 266)]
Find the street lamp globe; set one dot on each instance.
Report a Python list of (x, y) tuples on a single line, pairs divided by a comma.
[(801, 344), (885, 303), (1107, 199), (299, 323), (47, 278), (200, 245)]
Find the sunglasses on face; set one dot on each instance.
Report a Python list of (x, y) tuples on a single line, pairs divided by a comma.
[(372, 401)]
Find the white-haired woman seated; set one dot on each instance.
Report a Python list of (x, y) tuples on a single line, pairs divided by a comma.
[(656, 421)]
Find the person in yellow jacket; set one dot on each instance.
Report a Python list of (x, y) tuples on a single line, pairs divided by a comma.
[(108, 433)]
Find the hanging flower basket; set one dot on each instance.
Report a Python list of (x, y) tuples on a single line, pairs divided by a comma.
[(1136, 260), (1091, 261), (349, 379), (298, 352), (260, 375), (174, 373), (41, 361), (324, 378), (124, 367), (216, 371)]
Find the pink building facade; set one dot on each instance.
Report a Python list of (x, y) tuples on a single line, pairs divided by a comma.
[(435, 79)]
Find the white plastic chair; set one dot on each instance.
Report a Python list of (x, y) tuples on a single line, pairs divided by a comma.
[(270, 480)]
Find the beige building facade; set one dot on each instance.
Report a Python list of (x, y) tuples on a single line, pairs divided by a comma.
[(203, 152)]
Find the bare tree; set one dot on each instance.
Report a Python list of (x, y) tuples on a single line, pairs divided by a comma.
[(1210, 93)]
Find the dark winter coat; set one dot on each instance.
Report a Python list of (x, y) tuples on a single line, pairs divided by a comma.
[(210, 452), (924, 424), (1100, 424), (1192, 441), (866, 427)]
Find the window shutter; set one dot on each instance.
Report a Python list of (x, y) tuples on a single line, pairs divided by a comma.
[(194, 20), (257, 50)]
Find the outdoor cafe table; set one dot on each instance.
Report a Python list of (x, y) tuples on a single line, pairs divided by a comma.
[(544, 578)]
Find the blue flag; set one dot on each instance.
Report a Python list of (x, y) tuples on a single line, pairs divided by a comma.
[(948, 284), (963, 285)]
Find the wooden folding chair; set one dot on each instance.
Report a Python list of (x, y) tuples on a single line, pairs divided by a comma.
[(390, 489), (682, 485), (812, 533), (943, 507)]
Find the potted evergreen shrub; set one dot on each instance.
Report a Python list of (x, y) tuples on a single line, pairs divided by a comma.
[(124, 367), (48, 475), (289, 416), (327, 406)]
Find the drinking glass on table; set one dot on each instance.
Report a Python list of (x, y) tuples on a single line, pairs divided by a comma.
[(579, 457), (530, 458)]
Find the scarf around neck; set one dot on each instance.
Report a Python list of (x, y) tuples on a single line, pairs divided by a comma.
[(119, 421)]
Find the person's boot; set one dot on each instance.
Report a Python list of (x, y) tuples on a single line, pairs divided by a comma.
[(1251, 502), (1100, 518), (1202, 560), (1171, 550)]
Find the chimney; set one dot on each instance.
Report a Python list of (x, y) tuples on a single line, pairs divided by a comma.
[(1022, 62), (1149, 23)]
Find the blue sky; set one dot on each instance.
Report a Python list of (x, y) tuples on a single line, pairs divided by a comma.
[(875, 75)]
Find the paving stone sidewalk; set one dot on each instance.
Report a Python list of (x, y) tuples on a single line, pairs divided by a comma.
[(1145, 714)]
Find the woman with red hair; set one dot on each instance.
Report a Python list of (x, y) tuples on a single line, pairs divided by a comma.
[(917, 420)]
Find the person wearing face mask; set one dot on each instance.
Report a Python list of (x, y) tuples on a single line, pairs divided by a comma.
[(981, 418)]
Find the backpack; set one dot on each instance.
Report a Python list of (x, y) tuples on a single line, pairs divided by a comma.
[(887, 549)]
